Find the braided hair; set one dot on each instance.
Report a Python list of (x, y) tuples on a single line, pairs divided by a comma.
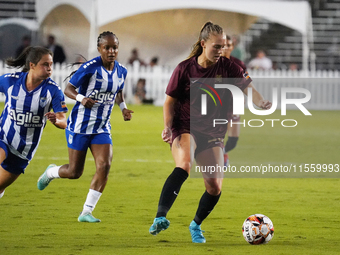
[(207, 29), (104, 34), (100, 37)]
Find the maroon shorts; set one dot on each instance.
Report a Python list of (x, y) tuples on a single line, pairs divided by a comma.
[(178, 131), (202, 142)]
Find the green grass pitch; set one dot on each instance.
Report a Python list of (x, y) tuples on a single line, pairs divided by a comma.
[(305, 211)]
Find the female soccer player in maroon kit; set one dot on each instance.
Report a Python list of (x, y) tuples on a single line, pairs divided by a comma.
[(185, 130)]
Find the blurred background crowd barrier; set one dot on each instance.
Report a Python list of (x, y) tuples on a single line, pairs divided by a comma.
[(323, 84)]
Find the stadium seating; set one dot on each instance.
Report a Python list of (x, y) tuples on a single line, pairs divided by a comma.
[(17, 9), (283, 45)]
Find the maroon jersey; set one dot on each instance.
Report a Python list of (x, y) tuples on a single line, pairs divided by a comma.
[(239, 62), (187, 112)]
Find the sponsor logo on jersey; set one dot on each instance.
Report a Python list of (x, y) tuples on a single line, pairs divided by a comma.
[(27, 119), (102, 97), (15, 97), (218, 78)]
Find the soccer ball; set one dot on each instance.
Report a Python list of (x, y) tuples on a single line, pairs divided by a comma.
[(258, 229)]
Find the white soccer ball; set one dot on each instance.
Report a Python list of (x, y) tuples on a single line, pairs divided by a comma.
[(258, 229)]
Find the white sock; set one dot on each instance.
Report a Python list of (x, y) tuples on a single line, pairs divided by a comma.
[(91, 201), (53, 172), (2, 194)]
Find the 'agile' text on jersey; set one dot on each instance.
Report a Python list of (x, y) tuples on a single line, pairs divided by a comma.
[(27, 119), (102, 97)]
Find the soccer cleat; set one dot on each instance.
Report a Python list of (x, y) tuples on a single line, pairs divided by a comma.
[(87, 217), (159, 224), (226, 159), (196, 233), (43, 180)]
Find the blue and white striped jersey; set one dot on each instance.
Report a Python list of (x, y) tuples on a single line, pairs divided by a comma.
[(94, 81), (22, 120)]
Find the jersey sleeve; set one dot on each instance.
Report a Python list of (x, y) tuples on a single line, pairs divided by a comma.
[(122, 73), (240, 63), (173, 89), (3, 84), (81, 76), (6, 80), (58, 100), (242, 78)]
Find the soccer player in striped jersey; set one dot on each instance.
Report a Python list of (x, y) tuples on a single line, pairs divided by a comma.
[(95, 86), (30, 95)]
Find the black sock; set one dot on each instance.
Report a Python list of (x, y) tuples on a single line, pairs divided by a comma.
[(231, 143), (170, 190), (206, 205)]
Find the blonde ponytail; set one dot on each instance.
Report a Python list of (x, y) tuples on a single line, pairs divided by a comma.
[(207, 29)]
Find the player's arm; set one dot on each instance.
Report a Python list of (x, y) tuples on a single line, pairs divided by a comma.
[(258, 98), (71, 92), (120, 101), (57, 119), (168, 116)]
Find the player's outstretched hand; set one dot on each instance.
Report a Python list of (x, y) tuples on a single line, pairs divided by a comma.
[(51, 116), (166, 135), (127, 114), (265, 104)]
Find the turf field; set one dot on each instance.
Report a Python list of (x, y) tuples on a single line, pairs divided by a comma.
[(305, 211)]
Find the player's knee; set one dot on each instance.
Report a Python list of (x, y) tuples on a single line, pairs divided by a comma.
[(214, 191), (186, 166), (104, 167), (75, 173), (214, 188)]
